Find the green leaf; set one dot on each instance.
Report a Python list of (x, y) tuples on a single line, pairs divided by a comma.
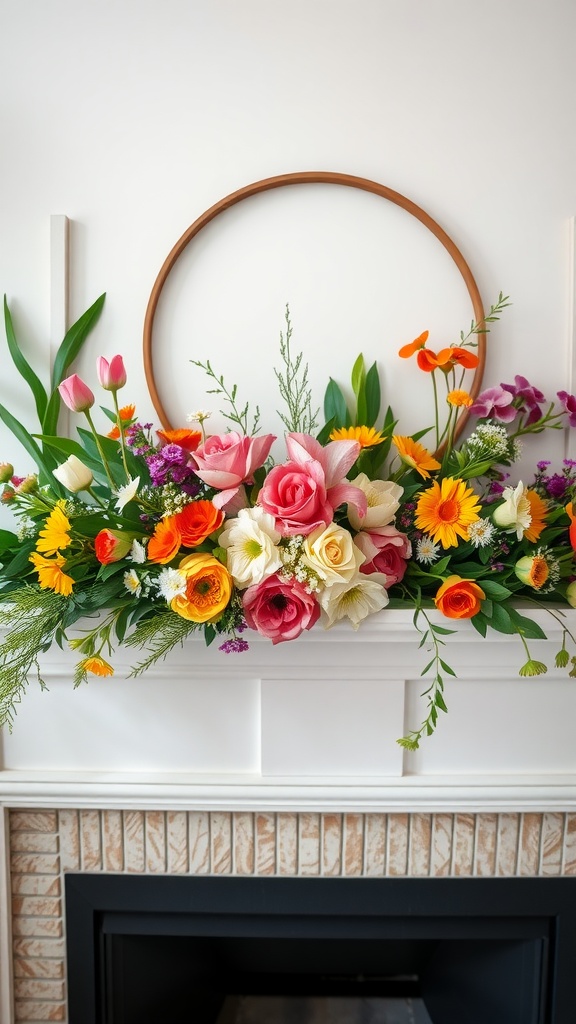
[(373, 396), (447, 668), (480, 624), (501, 621), (20, 562), (335, 405), (441, 629), (209, 633), (526, 626), (495, 590), (324, 436), (67, 352), (28, 442), (24, 369), (8, 540), (358, 376), (439, 700)]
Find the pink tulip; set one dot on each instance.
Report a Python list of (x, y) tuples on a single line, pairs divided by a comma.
[(386, 551), (112, 375), (76, 394), (225, 461)]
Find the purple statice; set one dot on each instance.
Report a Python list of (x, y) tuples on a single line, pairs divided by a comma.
[(236, 645), (556, 485), (169, 465), (526, 397), (543, 465)]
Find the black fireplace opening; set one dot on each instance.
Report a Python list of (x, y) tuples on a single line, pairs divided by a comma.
[(212, 950)]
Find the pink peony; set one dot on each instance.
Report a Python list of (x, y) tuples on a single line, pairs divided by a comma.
[(386, 551), (278, 610), (225, 461), (305, 492)]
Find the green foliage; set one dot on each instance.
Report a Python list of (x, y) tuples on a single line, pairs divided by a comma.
[(236, 415), (294, 387)]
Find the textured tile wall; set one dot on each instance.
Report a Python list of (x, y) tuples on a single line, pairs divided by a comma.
[(46, 844)]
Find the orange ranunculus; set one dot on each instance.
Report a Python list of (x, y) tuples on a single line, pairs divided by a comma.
[(165, 542), (459, 598), (208, 589), (188, 439), (408, 350), (197, 521)]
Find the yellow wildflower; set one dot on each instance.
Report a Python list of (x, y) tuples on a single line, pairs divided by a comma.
[(50, 575), (367, 437), (55, 536)]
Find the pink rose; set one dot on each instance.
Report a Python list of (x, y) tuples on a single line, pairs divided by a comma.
[(225, 461), (386, 552), (296, 496), (280, 611)]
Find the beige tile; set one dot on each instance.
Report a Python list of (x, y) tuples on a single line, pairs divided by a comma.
[(463, 844), (33, 821), (34, 842), (69, 830), (112, 841), (243, 825), (570, 845), (508, 834), (309, 843), (90, 841), (353, 844), (221, 842), (38, 968), (265, 844), (529, 852), (287, 824), (397, 859), (485, 853), (155, 841), (375, 844), (35, 863), (36, 988), (419, 848), (134, 841), (43, 948), (442, 840), (37, 927), (331, 844), (36, 906), (36, 885), (552, 843), (199, 842), (177, 842), (28, 1011)]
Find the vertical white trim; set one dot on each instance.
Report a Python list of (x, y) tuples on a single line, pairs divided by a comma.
[(6, 965), (571, 353)]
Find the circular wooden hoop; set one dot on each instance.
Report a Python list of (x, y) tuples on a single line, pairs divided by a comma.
[(309, 178)]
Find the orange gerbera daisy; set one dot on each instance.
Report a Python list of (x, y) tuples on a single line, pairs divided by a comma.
[(538, 511), (50, 575), (446, 510), (188, 439), (408, 350), (459, 398), (366, 436), (97, 666), (165, 542), (415, 455)]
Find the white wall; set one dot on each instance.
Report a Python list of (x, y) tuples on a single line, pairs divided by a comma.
[(133, 117)]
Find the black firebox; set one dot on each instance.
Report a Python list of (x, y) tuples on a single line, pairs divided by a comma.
[(177, 950)]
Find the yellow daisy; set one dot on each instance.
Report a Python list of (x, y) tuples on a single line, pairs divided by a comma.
[(459, 398), (97, 666), (415, 455), (446, 510), (54, 537), (367, 437), (50, 575)]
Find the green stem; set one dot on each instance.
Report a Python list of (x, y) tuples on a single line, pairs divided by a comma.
[(436, 411), (100, 450), (121, 429)]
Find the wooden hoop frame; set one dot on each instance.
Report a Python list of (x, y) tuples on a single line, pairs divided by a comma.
[(309, 178)]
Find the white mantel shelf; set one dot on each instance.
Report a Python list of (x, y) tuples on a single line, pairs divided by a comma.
[(309, 725)]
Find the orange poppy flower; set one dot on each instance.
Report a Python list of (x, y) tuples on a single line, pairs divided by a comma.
[(457, 356), (165, 542), (187, 439), (427, 361), (197, 521), (408, 350)]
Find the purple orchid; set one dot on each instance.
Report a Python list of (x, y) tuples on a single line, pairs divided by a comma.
[(495, 403), (569, 403), (530, 398)]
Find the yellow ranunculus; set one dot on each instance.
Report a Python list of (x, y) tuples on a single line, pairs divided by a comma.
[(208, 589)]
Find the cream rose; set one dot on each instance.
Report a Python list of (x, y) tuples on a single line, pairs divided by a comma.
[(383, 498), (332, 553)]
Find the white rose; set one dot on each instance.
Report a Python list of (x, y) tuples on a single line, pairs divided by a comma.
[(332, 554), (383, 497)]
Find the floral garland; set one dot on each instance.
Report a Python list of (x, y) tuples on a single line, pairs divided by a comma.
[(169, 531)]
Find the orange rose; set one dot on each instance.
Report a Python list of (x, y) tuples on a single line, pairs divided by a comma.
[(458, 598), (208, 589), (164, 544), (197, 521)]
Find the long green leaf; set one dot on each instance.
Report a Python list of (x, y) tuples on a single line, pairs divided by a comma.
[(358, 375), (373, 396), (335, 405), (69, 349), (28, 442), (22, 365)]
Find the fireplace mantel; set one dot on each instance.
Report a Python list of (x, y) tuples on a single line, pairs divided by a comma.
[(309, 725)]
